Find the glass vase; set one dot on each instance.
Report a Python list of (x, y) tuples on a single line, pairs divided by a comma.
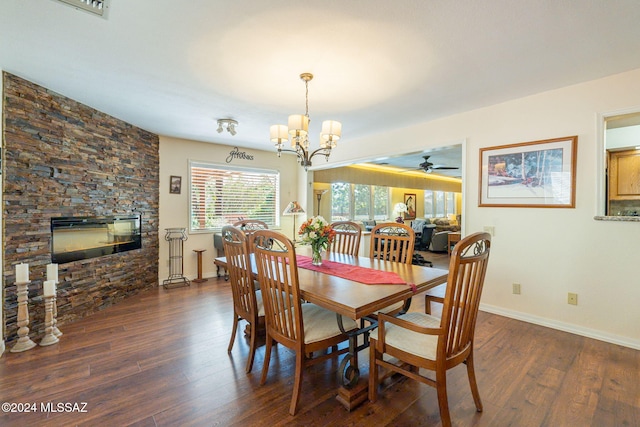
[(316, 256)]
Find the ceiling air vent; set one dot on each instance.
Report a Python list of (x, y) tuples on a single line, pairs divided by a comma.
[(97, 7)]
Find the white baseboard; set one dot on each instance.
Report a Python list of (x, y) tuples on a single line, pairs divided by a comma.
[(562, 326), (1, 347)]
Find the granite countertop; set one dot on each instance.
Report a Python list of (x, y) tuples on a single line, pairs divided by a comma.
[(617, 218)]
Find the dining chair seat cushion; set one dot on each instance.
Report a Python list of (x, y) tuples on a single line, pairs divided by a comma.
[(421, 345), (320, 323)]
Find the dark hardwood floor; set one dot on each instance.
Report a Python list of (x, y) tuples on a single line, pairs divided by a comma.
[(160, 359)]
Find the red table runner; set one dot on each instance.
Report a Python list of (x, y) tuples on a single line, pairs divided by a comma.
[(368, 276)]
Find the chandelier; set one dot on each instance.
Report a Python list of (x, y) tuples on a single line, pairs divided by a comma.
[(298, 129)]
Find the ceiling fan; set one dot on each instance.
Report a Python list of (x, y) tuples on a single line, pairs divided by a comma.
[(429, 167)]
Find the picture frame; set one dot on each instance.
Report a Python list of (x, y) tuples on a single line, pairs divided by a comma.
[(175, 184), (536, 174), (410, 203)]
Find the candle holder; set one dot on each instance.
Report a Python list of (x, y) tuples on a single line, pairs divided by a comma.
[(49, 337), (56, 331), (24, 342)]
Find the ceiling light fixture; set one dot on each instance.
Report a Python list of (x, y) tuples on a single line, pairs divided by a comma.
[(298, 129), (228, 124)]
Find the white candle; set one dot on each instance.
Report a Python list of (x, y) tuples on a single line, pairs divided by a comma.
[(22, 273), (52, 272), (49, 288)]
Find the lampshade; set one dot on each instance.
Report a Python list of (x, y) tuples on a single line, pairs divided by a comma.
[(279, 134), (293, 208), (400, 208), (330, 134), (298, 125)]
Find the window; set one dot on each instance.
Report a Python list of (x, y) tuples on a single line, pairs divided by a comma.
[(220, 195), (439, 196), (340, 201), (359, 202), (429, 209), (449, 203), (381, 202), (439, 203)]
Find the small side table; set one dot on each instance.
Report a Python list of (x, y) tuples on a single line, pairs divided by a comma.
[(199, 279), (452, 239)]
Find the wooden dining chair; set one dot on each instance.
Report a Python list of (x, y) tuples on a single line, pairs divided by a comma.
[(347, 238), (247, 302), (251, 225), (392, 241), (303, 328), (420, 340)]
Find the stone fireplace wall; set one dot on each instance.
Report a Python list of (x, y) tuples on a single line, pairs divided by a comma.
[(63, 158)]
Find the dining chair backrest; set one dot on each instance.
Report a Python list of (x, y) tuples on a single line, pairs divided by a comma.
[(286, 316), (421, 341), (275, 259), (392, 241), (467, 270), (236, 250), (251, 225), (347, 238)]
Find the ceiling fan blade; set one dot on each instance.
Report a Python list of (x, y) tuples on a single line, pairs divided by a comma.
[(445, 167)]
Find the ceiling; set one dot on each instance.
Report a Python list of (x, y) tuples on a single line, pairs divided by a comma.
[(449, 156), (173, 67)]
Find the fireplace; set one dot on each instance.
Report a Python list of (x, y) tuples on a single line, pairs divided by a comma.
[(77, 238)]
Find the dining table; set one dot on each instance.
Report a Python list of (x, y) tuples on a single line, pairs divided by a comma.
[(357, 287)]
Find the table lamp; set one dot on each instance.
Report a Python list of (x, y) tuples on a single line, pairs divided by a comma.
[(293, 209), (399, 209)]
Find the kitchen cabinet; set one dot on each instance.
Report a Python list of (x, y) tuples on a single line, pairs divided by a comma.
[(624, 175)]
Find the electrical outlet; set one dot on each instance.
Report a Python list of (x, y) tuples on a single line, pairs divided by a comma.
[(489, 229), (516, 288), (572, 299)]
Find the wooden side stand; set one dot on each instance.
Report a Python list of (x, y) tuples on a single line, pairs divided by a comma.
[(452, 239), (24, 342), (199, 279)]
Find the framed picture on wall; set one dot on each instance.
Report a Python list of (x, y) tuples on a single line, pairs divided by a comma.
[(410, 202), (537, 174), (175, 184)]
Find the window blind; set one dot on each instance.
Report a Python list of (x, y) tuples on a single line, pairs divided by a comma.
[(221, 195)]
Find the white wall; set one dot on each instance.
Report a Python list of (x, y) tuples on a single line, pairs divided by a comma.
[(174, 208), (549, 251)]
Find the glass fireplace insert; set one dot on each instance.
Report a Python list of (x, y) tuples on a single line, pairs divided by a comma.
[(77, 238)]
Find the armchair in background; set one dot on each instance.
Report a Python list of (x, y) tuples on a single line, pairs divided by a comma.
[(439, 241), (368, 225)]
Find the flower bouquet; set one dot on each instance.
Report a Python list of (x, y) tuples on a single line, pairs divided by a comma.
[(318, 233)]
